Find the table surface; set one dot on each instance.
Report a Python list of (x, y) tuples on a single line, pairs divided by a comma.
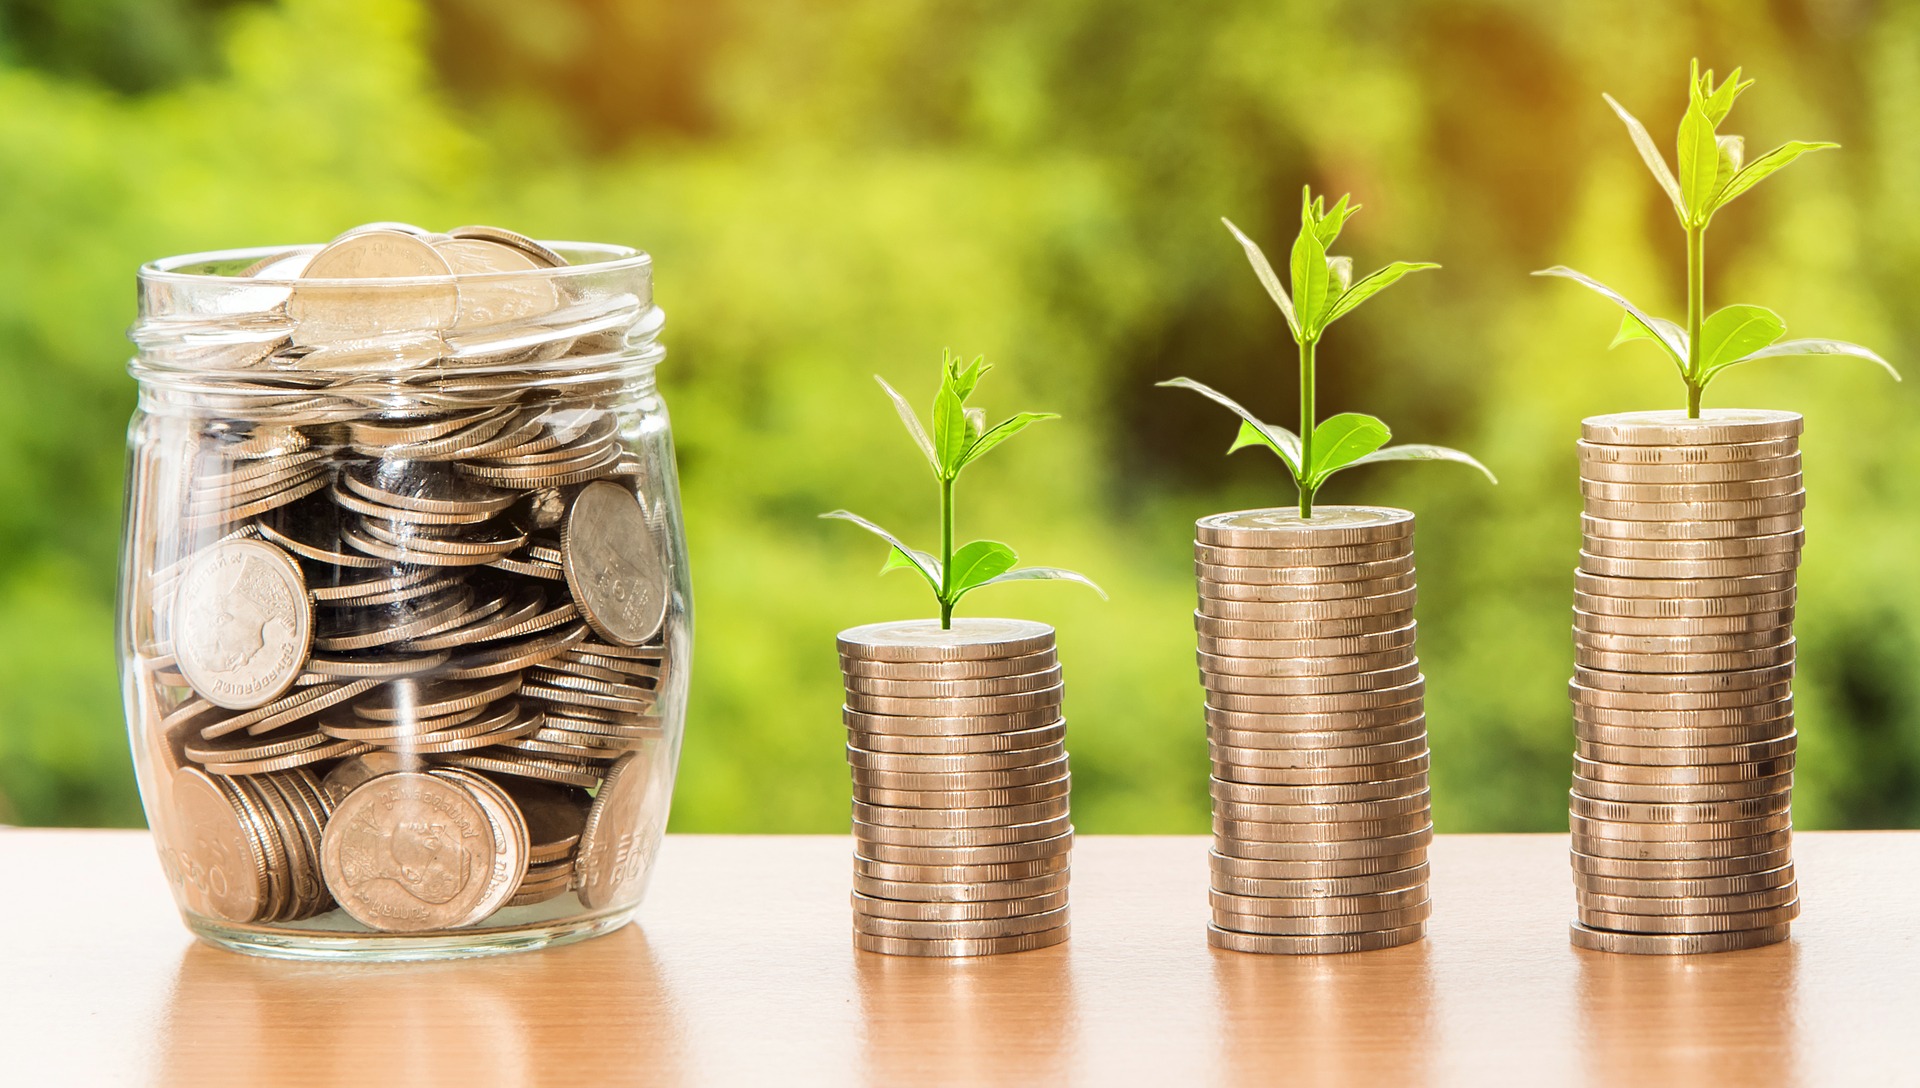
[(740, 970)]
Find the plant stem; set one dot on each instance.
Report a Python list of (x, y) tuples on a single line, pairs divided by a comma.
[(1306, 428), (946, 553), (1696, 307)]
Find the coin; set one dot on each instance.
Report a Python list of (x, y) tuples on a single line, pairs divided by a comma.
[(964, 797), (911, 911), (1674, 569), (409, 852), (1220, 686), (1772, 857), (1001, 854), (1598, 467), (1396, 695), (1682, 759), (1386, 604), (1318, 925), (1713, 427), (1697, 887), (1305, 574), (969, 639), (242, 623), (1212, 589), (962, 744), (1222, 790), (1417, 803), (1721, 549), (1330, 526), (958, 706), (1213, 664), (1319, 776), (1673, 907), (1752, 585), (1689, 923), (1040, 661), (1003, 835), (1045, 756), (1762, 450), (1746, 663), (1315, 758), (1684, 607), (1683, 683), (971, 929), (614, 564), (1016, 684), (1238, 635), (979, 946), (996, 816), (1682, 626), (1360, 737), (1302, 558), (1249, 654), (616, 851), (1731, 491), (960, 873), (949, 725), (1052, 773), (1740, 772), (1683, 526), (1679, 700), (223, 869), (1316, 906), (1337, 831), (1770, 640), (1370, 941), (327, 310), (1675, 944), (1373, 846), (1319, 886)]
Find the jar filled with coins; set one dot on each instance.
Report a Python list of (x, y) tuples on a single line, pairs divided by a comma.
[(404, 626)]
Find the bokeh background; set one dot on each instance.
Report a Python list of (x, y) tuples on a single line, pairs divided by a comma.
[(835, 188)]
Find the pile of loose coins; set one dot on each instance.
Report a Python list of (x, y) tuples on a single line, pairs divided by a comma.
[(414, 670), (960, 821), (1682, 689), (1317, 728)]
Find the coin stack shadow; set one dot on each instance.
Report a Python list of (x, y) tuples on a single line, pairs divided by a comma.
[(961, 826), (1317, 729), (1682, 687)]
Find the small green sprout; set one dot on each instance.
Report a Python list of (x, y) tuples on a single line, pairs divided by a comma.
[(1324, 291), (1713, 172), (960, 436)]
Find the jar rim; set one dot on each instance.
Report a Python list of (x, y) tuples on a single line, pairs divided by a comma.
[(602, 257)]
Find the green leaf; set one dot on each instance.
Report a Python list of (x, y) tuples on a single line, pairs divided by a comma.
[(1268, 279), (1328, 224), (1761, 168), (1662, 330), (1311, 282), (912, 421), (1044, 574), (1699, 161), (1342, 439), (1791, 348), (927, 565), (1372, 285), (976, 563), (1650, 154), (1420, 451), (1277, 438), (967, 378), (1732, 332), (1005, 430), (1631, 328), (949, 430), (1250, 435)]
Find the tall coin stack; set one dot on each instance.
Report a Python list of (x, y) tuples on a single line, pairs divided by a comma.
[(1682, 687), (960, 821), (1316, 722)]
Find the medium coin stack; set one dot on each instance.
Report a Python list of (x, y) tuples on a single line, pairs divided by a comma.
[(1317, 727), (960, 822), (446, 613), (1682, 687)]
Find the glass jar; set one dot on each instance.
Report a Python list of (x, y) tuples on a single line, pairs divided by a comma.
[(404, 605)]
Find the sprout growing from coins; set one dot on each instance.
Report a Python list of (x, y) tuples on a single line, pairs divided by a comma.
[(1324, 291), (959, 437), (1713, 173)]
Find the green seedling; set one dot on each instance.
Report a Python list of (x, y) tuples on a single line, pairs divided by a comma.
[(1713, 173), (959, 436), (1324, 291)]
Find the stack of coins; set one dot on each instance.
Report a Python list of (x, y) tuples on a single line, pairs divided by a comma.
[(1682, 688), (455, 604), (1316, 723), (960, 822)]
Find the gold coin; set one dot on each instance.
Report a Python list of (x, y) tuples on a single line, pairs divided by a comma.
[(959, 706), (1231, 632), (977, 946), (1323, 887), (1250, 651), (972, 929), (997, 816), (1397, 695), (409, 852), (1683, 626), (1675, 944), (1323, 851), (965, 797), (1646, 819), (1336, 831), (1689, 850), (1338, 555), (1318, 925), (1696, 887), (1724, 549), (963, 836), (1658, 785), (1683, 607), (1670, 569), (911, 725), (1002, 854), (1348, 793), (1655, 527), (1052, 774), (1687, 646), (963, 744), (1016, 684), (1386, 604), (222, 867), (1776, 715), (1757, 753), (1598, 467), (1729, 491), (1221, 686), (1045, 756), (1591, 830), (1745, 774), (1316, 905), (1039, 661), (1763, 450), (616, 850), (1268, 574), (969, 639), (929, 874), (1273, 944), (1306, 664), (1212, 590), (1224, 867), (615, 563), (1682, 683), (1318, 776), (1714, 427), (909, 911), (1752, 585), (1679, 906), (1292, 741), (1330, 526), (1679, 700), (1743, 663), (1316, 758), (1683, 868), (1689, 923), (1329, 721), (332, 303), (1417, 803)]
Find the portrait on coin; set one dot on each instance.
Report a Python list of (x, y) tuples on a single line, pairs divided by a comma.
[(241, 610)]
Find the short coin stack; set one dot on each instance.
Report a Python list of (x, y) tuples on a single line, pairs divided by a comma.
[(960, 821), (1317, 727), (1682, 688)]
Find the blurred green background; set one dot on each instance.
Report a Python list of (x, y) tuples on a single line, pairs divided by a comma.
[(834, 188)]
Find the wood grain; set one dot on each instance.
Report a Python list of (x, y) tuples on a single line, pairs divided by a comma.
[(740, 972)]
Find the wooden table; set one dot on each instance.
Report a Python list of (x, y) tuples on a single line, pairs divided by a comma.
[(740, 972)]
